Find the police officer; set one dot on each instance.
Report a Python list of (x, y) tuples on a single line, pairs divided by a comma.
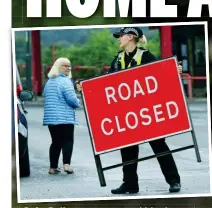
[(131, 56)]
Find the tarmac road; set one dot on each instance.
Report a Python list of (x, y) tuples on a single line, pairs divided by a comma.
[(84, 183)]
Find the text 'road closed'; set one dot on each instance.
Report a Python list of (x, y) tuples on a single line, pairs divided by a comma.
[(143, 117)]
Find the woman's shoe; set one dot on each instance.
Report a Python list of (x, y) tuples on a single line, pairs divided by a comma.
[(54, 170), (68, 169)]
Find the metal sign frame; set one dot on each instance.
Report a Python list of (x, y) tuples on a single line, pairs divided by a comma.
[(100, 169)]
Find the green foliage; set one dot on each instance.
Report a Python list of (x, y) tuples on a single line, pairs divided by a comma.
[(46, 54), (20, 49), (154, 46), (99, 51)]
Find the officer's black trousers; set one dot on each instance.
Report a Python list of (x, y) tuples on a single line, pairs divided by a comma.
[(166, 162)]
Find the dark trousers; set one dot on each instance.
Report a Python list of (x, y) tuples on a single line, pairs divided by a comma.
[(62, 139), (166, 162)]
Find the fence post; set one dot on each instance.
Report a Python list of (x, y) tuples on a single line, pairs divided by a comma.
[(188, 77), (190, 91), (36, 90)]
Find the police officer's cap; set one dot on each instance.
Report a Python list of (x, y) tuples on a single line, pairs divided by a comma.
[(129, 30)]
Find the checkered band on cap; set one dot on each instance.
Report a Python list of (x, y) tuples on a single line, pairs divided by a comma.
[(130, 29)]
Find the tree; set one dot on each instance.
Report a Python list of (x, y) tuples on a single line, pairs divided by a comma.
[(99, 49), (20, 49), (154, 46)]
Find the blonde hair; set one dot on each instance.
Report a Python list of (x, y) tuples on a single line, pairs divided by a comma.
[(55, 70), (142, 41)]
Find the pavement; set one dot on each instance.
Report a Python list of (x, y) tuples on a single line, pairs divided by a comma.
[(84, 183)]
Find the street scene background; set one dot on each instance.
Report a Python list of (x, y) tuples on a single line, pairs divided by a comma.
[(189, 48)]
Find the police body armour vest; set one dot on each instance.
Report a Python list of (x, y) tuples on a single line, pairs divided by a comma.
[(137, 57)]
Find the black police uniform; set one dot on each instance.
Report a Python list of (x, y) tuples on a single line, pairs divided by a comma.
[(166, 162)]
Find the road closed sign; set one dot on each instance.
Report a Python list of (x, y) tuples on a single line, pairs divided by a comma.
[(136, 105)]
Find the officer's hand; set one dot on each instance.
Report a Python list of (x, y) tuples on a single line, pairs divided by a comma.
[(180, 68)]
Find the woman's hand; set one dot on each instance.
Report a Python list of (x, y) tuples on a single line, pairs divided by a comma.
[(180, 68), (78, 86)]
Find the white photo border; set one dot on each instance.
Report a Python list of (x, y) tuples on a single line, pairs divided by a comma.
[(205, 23)]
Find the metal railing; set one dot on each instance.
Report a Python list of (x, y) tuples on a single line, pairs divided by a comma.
[(189, 78)]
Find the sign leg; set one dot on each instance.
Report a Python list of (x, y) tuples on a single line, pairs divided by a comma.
[(196, 146), (96, 157), (100, 171), (194, 138), (192, 126)]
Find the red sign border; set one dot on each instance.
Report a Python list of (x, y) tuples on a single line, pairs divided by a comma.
[(142, 142)]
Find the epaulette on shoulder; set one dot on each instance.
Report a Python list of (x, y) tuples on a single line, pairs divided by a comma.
[(119, 54)]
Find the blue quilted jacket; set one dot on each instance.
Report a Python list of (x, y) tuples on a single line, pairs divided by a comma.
[(60, 101)]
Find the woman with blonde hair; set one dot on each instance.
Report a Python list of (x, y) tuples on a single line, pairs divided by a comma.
[(60, 103)]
